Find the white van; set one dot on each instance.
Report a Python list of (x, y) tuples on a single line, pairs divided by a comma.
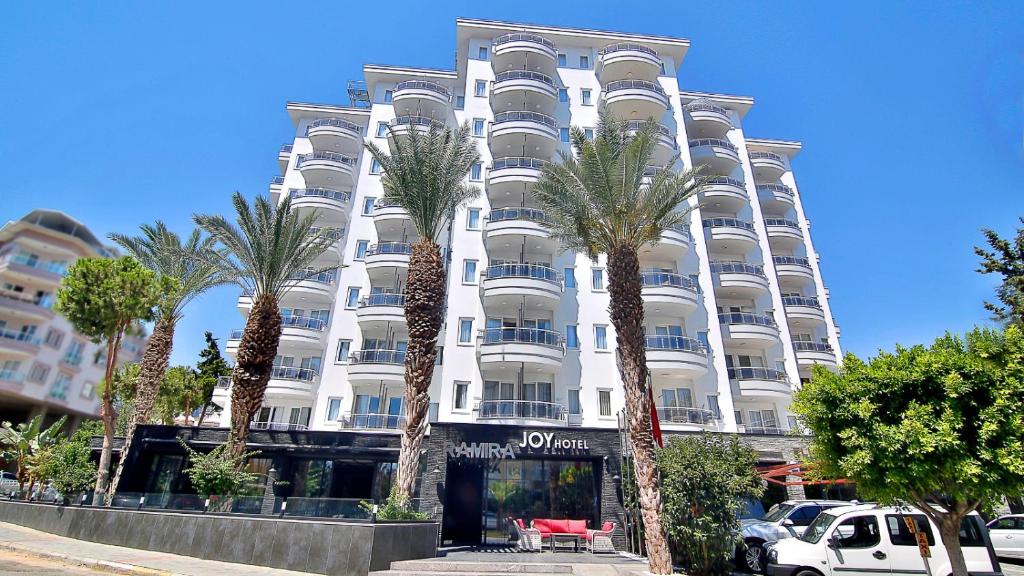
[(869, 540)]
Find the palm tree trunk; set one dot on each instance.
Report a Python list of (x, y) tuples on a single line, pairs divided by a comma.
[(627, 316), (424, 310), (252, 371), (151, 376)]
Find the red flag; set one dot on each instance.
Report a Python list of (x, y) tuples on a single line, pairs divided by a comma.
[(655, 425)]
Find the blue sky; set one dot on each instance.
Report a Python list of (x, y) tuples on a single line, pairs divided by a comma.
[(910, 115)]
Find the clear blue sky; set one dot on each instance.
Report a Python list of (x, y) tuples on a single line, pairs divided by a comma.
[(910, 115)]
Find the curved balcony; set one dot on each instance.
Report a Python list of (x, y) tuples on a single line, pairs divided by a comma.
[(11, 380), (522, 131), (783, 233), (391, 219), (372, 421), (387, 366), (665, 141), (730, 235), (381, 308), (288, 381), (635, 99), (518, 411), (334, 250), (510, 177), (231, 346), (676, 416), (720, 156), (421, 98), (283, 156), (676, 355), (274, 190), (310, 288), (511, 348), (532, 284), (668, 294), (325, 169), (775, 198), (793, 269), (767, 165), (756, 382), (34, 270), (520, 49), (673, 244), (626, 60), (25, 307), (706, 119), (739, 279), (724, 194), (386, 256), (523, 89), (402, 126), (334, 134), (803, 311), (18, 344), (332, 204), (744, 329), (811, 353), (302, 332), (518, 224)]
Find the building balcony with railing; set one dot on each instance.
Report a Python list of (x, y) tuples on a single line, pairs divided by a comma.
[(674, 242), (18, 344), (300, 332), (517, 130), (381, 307), (518, 225), (403, 125), (664, 139), (795, 270), (767, 165), (635, 99), (810, 353), (332, 205), (318, 288), (676, 355), (522, 412), (739, 279), (523, 90), (803, 311), (667, 294), (686, 418), (523, 51), (72, 360), (335, 135), (377, 365), (537, 285), (727, 235), (756, 382), (284, 154), (706, 119), (274, 190), (784, 234), (724, 194), (510, 348), (32, 308), (719, 155), (421, 97), (325, 169), (627, 60), (388, 256), (392, 220), (745, 329), (11, 380), (49, 272), (511, 176), (775, 198), (372, 422)]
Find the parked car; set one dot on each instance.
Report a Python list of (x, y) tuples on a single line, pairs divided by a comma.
[(872, 539), (750, 508), (1007, 534), (785, 520)]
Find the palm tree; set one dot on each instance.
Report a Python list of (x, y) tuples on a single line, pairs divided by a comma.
[(424, 174), (19, 444), (265, 253), (599, 201), (188, 263)]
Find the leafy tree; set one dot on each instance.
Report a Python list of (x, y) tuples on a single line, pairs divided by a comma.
[(596, 201), (264, 253), (189, 266), (20, 443), (103, 298), (68, 467), (218, 472), (1007, 260), (210, 369), (425, 174), (180, 393), (940, 427), (704, 479)]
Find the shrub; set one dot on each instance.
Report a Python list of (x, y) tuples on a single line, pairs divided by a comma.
[(394, 509), (217, 473)]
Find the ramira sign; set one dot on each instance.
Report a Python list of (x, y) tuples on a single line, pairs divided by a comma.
[(532, 443)]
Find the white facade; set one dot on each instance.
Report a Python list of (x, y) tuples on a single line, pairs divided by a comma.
[(735, 306)]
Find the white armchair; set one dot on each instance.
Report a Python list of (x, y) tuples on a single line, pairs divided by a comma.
[(601, 540), (529, 539)]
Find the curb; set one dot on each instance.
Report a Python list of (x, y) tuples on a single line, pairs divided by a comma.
[(105, 565)]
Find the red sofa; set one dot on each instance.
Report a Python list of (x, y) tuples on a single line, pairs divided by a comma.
[(547, 526)]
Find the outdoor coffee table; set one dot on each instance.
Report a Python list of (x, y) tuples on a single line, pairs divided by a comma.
[(567, 538)]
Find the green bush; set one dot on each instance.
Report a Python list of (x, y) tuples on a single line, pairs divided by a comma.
[(394, 509), (217, 473), (67, 467)]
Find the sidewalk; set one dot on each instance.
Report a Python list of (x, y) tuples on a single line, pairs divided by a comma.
[(121, 560)]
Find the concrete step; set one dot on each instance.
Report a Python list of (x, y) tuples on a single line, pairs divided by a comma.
[(446, 573), (496, 567)]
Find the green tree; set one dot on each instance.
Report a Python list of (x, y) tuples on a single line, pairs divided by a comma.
[(425, 174), (1006, 259), (20, 443), (189, 266), (103, 298), (599, 201), (705, 478), (268, 249), (211, 368), (68, 467), (180, 393), (939, 427)]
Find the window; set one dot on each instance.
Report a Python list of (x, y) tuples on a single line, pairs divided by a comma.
[(563, 134), (88, 390), (899, 535), (388, 94), (439, 359), (473, 219), (597, 278), (588, 133), (333, 409), (375, 167), (343, 349), (574, 401), (794, 424), (738, 414), (662, 69), (54, 338), (804, 515), (561, 60), (60, 387), (1000, 524), (857, 532), (600, 337), (476, 172), (368, 204), (570, 277), (604, 401), (702, 337), (465, 330), (352, 297), (461, 395), (572, 339), (469, 271), (480, 89), (361, 247), (460, 102), (563, 95), (585, 62), (585, 97), (481, 53), (382, 129), (713, 406), (478, 127), (38, 373)]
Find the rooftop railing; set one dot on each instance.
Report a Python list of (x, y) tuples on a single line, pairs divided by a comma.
[(389, 248), (667, 342), (809, 301), (727, 223), (335, 122), (505, 214), (523, 115), (423, 85), (497, 409), (518, 162), (327, 193), (757, 373), (534, 271), (632, 84), (626, 46), (717, 142), (736, 268), (745, 318), (523, 336), (806, 346), (656, 278), (523, 75), (523, 37)]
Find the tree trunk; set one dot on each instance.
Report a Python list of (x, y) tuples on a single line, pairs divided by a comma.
[(627, 316), (252, 370), (424, 314), (108, 416), (202, 415), (949, 528), (1016, 504), (151, 376)]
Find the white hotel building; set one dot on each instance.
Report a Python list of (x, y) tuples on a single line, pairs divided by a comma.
[(736, 309)]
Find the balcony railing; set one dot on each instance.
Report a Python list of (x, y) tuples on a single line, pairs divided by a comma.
[(293, 373), (303, 322), (766, 430), (634, 125), (534, 271), (41, 301), (223, 382), (781, 222), (766, 156), (20, 337), (331, 233), (321, 278), (277, 426), (522, 336), (727, 180), (276, 180), (757, 373), (523, 37), (373, 421), (396, 357), (506, 214), (665, 342), (795, 260), (518, 162), (624, 46), (727, 222), (745, 318), (72, 360), (320, 193), (736, 268), (495, 409), (286, 148), (423, 85), (685, 415), (8, 375), (411, 120), (50, 266), (389, 248), (718, 142), (630, 84), (775, 188), (336, 122), (382, 299), (705, 106), (325, 155), (810, 301), (523, 75), (523, 115), (806, 346), (654, 278)]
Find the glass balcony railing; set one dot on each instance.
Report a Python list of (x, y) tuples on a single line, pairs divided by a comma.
[(8, 375), (374, 421), (518, 162), (806, 346), (524, 37), (655, 279), (745, 318), (684, 415), (781, 222), (506, 214), (634, 125), (736, 268), (72, 360), (766, 430), (666, 342), (495, 409), (382, 203), (775, 189), (634, 84), (423, 85), (335, 122), (523, 75), (303, 322), (522, 336), (286, 149), (327, 193), (523, 116), (765, 156), (704, 106), (277, 180), (716, 142), (534, 271), (277, 426), (236, 334), (25, 337), (45, 301), (321, 278), (293, 373), (325, 155), (382, 299), (727, 181), (727, 223), (332, 233), (809, 301), (395, 357), (53, 267), (389, 248), (411, 120), (795, 260), (626, 46), (223, 382), (757, 373)]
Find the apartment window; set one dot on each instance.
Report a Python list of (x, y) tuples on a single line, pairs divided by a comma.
[(478, 127), (585, 97), (54, 338), (88, 390), (738, 414), (713, 406), (793, 422), (344, 346), (361, 247), (375, 167), (439, 359), (574, 401), (585, 62), (469, 271), (604, 401), (38, 373), (480, 89), (562, 60), (333, 409), (460, 102), (352, 297), (589, 133), (461, 395), (60, 387), (600, 337), (563, 134), (465, 330), (481, 53), (563, 95), (368, 204), (572, 339), (597, 279), (473, 219), (569, 274), (388, 94), (382, 129), (476, 172)]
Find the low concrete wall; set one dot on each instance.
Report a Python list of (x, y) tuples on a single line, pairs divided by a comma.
[(321, 547)]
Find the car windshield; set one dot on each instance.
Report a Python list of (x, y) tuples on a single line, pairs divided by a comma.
[(777, 512), (817, 528)]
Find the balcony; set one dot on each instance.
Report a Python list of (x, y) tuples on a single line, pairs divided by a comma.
[(681, 416), (626, 60), (317, 288), (739, 279), (676, 356), (277, 426), (11, 380), (335, 135), (332, 204), (803, 311), (511, 176), (783, 234), (402, 126), (288, 381), (765, 430), (387, 256), (760, 382), (793, 269), (667, 294), (775, 198), (720, 156), (334, 250), (767, 165), (534, 349), (723, 194), (276, 183), (18, 343), (391, 219), (521, 50), (530, 284), (518, 225), (745, 329), (283, 156), (72, 361), (387, 366), (372, 421), (381, 308), (30, 268), (421, 97), (523, 132), (730, 235), (810, 353), (635, 99), (673, 244), (518, 411), (324, 169), (28, 308), (664, 139), (303, 332), (523, 90), (706, 119)]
